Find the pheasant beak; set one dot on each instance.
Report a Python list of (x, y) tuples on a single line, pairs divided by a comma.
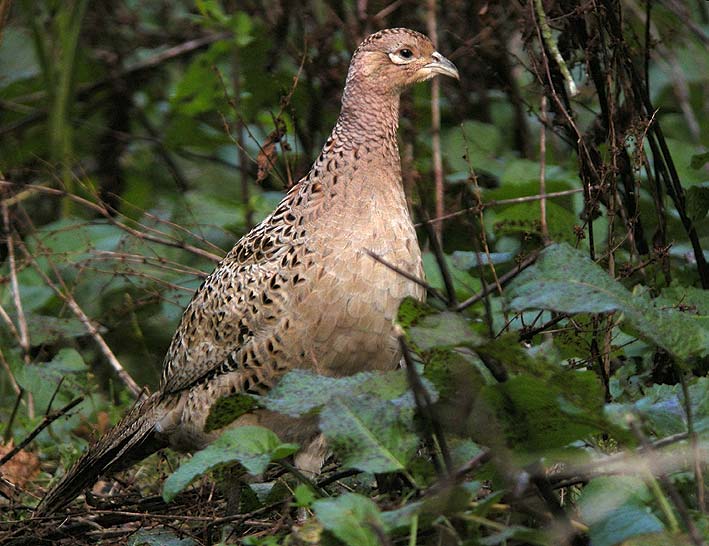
[(441, 65)]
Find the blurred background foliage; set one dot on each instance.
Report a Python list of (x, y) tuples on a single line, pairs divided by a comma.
[(140, 139)]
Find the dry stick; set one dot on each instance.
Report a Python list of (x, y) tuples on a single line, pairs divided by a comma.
[(46, 421), (541, 482), (8, 428), (502, 202), (106, 214), (543, 170), (502, 280), (425, 404), (440, 260), (15, 386), (661, 152), (240, 142), (24, 337), (669, 487), (66, 296), (694, 442), (436, 123)]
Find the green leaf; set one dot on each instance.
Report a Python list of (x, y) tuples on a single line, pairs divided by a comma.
[(300, 392), (227, 409), (368, 433), (159, 537), (465, 284), (544, 414), (697, 199), (350, 517), (251, 446), (446, 329), (699, 160), (663, 408), (42, 378), (566, 281), (615, 510)]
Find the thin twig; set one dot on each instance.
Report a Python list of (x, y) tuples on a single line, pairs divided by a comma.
[(435, 240), (425, 404), (66, 296), (502, 280), (413, 278), (677, 499), (103, 211), (436, 125), (46, 421)]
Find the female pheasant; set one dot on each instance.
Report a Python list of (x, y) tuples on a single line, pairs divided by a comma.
[(301, 289)]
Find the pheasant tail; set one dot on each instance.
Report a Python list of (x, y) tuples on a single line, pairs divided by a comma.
[(130, 441)]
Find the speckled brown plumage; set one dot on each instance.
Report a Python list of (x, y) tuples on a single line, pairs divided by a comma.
[(300, 290)]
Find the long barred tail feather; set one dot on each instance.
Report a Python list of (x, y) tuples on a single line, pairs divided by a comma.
[(130, 441)]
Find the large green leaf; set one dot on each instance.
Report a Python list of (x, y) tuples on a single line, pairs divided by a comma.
[(615, 510), (350, 517), (567, 281), (300, 391), (369, 433), (541, 414), (663, 408), (251, 446)]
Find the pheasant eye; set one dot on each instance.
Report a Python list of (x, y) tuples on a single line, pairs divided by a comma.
[(406, 53)]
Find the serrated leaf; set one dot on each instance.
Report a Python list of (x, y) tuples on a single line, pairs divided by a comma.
[(539, 414), (615, 510), (251, 446), (300, 392), (351, 518), (697, 199), (368, 433), (446, 329), (662, 408), (566, 281), (159, 537)]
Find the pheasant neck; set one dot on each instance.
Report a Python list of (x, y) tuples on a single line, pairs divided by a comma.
[(367, 116)]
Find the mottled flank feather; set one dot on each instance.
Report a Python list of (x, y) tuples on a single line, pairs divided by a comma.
[(300, 290)]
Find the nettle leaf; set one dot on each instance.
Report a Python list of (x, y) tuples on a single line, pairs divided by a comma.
[(615, 510), (350, 517), (465, 284), (42, 378), (251, 446), (451, 500), (697, 199), (663, 408), (48, 329), (300, 392), (542, 414), (159, 537), (370, 434), (446, 329), (567, 281), (227, 409)]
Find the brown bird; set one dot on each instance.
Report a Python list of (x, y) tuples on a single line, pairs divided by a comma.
[(300, 290)]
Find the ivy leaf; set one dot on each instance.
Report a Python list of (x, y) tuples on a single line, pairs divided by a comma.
[(350, 517), (251, 446), (368, 433), (566, 281), (614, 508)]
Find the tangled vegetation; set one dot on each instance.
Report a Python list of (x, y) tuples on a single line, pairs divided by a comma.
[(556, 385)]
